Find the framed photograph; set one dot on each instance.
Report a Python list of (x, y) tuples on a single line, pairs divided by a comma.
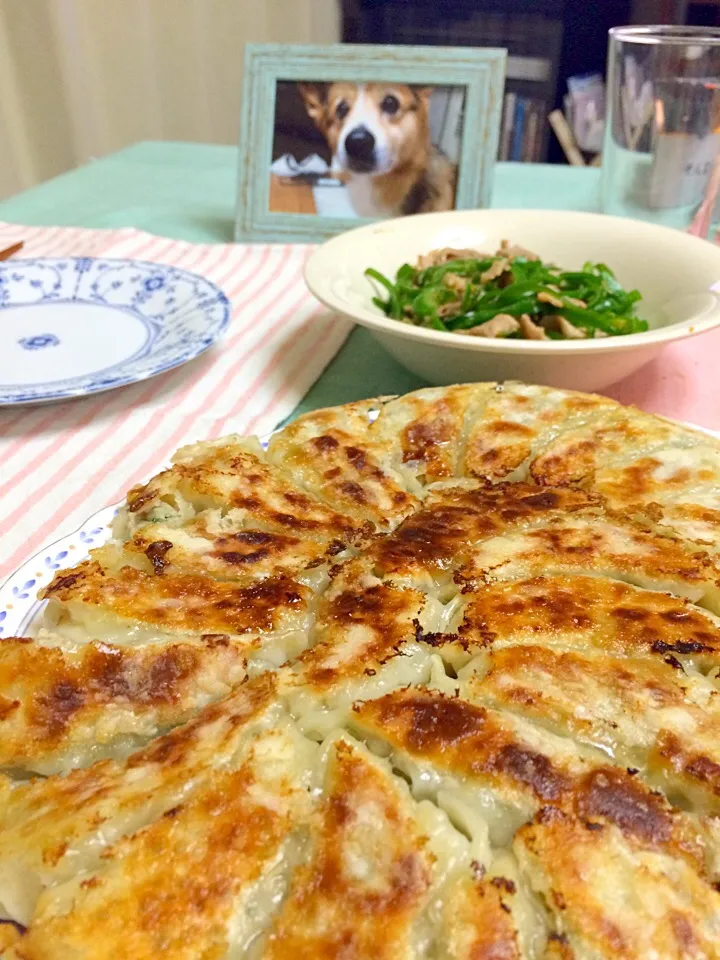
[(335, 136)]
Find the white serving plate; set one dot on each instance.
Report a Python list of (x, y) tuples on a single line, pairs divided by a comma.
[(21, 611), (19, 607), (74, 326), (677, 274)]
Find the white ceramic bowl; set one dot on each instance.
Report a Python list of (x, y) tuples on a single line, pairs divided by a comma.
[(677, 275)]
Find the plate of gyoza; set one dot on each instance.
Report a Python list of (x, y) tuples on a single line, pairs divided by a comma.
[(425, 677)]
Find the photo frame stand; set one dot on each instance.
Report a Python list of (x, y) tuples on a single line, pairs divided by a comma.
[(481, 72)]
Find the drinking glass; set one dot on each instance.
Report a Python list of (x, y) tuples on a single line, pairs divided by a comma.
[(662, 127)]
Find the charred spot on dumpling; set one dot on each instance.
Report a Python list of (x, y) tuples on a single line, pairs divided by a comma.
[(432, 673), (156, 554)]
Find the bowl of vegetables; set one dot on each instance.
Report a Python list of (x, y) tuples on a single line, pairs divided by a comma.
[(575, 300)]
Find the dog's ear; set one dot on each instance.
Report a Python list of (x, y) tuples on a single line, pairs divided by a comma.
[(314, 97), (423, 95)]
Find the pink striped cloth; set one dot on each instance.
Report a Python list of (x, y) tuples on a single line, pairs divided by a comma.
[(62, 462)]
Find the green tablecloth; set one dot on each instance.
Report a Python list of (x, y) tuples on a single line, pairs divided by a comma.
[(187, 191)]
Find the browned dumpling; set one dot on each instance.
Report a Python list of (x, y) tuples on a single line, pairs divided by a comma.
[(66, 704), (135, 607), (433, 677)]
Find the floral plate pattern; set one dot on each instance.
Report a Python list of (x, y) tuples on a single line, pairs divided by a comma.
[(19, 605), (74, 326)]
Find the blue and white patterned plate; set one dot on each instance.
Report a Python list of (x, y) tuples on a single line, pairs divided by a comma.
[(74, 326)]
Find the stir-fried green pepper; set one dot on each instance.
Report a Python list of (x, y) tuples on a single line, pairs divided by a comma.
[(462, 293)]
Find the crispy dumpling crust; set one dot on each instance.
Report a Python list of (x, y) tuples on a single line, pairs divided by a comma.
[(332, 453), (597, 614), (638, 709), (61, 707), (455, 519), (230, 474), (523, 765), (616, 899), (171, 889), (429, 676), (181, 604), (479, 920), (51, 829), (367, 873)]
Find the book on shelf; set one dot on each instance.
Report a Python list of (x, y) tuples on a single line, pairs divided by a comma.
[(522, 129), (530, 137), (508, 122), (518, 129)]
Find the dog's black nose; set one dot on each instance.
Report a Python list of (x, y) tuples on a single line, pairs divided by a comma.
[(360, 149)]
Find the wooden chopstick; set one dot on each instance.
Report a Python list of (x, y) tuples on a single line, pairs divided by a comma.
[(566, 138), (9, 251)]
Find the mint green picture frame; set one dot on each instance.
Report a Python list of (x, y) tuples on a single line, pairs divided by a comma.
[(480, 71)]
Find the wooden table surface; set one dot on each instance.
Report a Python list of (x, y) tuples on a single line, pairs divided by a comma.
[(289, 197)]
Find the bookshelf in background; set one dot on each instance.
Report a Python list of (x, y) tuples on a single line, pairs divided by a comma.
[(533, 41)]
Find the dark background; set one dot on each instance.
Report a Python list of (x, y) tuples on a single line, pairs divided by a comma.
[(295, 132), (571, 33)]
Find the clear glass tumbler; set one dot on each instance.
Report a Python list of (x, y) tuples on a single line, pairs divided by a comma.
[(662, 128)]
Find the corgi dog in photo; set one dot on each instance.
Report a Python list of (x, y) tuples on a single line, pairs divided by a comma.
[(379, 138)]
